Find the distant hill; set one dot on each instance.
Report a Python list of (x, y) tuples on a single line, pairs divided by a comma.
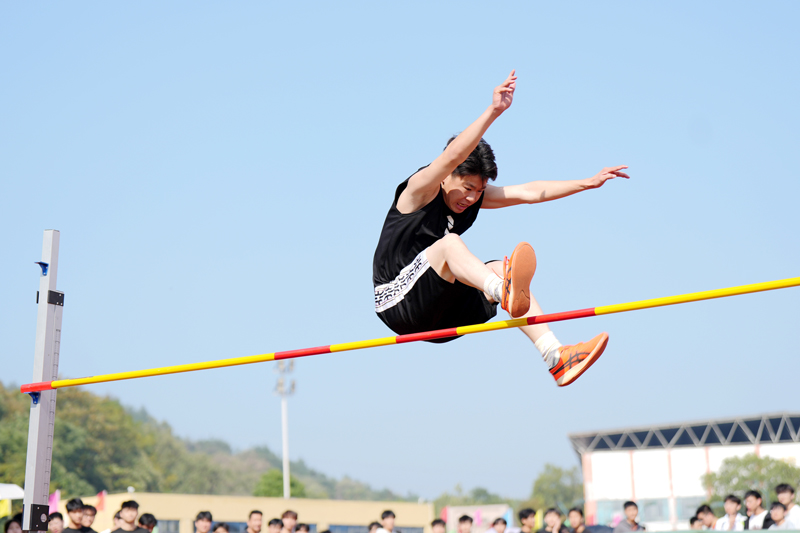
[(101, 445)]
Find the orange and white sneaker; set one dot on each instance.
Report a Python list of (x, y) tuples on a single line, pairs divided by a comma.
[(576, 359), (518, 273)]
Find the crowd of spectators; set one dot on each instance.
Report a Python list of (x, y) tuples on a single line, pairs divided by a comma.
[(81, 518), (782, 514)]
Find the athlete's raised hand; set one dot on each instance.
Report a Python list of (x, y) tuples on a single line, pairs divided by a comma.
[(604, 175), (504, 93)]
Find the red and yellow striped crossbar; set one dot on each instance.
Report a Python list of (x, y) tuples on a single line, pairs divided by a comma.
[(428, 335)]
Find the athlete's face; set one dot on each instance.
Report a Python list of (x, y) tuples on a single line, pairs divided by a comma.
[(460, 192)]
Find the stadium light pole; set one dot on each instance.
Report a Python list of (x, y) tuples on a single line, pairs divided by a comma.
[(281, 390)]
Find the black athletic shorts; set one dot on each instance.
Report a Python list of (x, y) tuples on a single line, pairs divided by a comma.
[(419, 300)]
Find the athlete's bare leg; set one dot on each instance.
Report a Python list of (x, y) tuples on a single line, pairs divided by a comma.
[(566, 363), (452, 260)]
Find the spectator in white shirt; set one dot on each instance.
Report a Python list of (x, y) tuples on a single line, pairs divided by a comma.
[(757, 516), (778, 514), (786, 497), (732, 521)]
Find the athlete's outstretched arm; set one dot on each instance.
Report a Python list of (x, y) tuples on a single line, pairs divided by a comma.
[(544, 191), (424, 185)]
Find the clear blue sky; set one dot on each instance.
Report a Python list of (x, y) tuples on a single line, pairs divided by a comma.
[(219, 173)]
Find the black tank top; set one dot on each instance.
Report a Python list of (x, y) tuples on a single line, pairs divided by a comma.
[(404, 236)]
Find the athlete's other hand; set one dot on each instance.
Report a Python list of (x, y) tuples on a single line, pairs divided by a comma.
[(504, 93), (604, 175)]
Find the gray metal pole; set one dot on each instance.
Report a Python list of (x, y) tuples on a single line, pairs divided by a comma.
[(43, 405), (287, 493), (281, 390)]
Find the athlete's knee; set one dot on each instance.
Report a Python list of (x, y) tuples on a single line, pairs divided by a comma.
[(451, 239)]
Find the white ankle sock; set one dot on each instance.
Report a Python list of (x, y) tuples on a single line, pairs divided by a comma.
[(493, 286), (548, 346)]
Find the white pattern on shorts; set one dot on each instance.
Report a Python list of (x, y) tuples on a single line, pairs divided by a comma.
[(390, 294)]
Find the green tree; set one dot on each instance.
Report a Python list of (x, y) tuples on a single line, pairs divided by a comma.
[(271, 484), (101, 445), (750, 472), (556, 487)]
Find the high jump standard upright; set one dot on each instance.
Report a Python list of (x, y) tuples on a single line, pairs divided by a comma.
[(35, 509)]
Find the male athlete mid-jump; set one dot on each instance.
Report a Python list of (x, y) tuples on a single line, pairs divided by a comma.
[(425, 277)]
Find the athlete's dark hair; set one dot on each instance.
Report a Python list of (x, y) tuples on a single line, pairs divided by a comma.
[(130, 504), (479, 163), (55, 515), (91, 508), (733, 498), (387, 514), (754, 493), (304, 527), (552, 510), (254, 512), (117, 515), (148, 520), (576, 510), (465, 518), (290, 514), (75, 504), (525, 513), (692, 520), (499, 521), (629, 504), (775, 505), (784, 487), (276, 522), (204, 515), (222, 525), (437, 522), (703, 509)]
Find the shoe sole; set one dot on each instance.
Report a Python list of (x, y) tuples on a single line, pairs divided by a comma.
[(523, 266), (574, 373)]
